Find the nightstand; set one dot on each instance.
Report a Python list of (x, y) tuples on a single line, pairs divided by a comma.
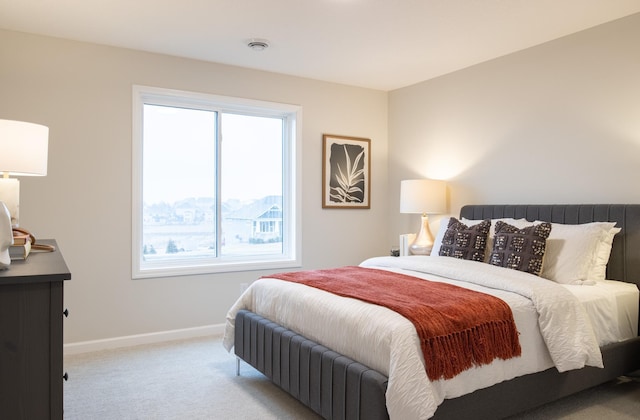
[(31, 318)]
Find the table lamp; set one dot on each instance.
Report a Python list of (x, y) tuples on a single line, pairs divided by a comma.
[(23, 152), (423, 196)]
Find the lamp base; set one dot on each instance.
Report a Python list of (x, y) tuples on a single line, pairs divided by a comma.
[(424, 240), (420, 250)]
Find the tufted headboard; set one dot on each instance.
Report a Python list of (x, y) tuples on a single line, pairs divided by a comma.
[(624, 264)]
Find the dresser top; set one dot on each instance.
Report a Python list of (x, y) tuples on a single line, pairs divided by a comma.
[(39, 266)]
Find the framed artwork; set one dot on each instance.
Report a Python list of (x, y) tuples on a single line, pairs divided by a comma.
[(346, 172)]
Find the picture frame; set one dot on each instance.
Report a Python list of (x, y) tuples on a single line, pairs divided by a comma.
[(346, 172)]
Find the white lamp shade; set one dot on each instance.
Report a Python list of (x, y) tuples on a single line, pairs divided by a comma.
[(23, 148), (424, 196)]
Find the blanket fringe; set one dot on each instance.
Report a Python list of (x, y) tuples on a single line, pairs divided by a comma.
[(448, 355)]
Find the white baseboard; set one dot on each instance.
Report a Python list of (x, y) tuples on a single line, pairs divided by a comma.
[(150, 338)]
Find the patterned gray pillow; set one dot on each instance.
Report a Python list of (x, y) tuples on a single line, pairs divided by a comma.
[(465, 242), (520, 249)]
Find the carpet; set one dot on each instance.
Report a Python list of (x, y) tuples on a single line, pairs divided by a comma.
[(196, 379)]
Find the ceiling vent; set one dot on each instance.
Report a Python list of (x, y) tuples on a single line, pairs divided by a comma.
[(258, 44)]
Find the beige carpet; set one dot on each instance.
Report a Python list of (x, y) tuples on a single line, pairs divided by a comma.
[(195, 379)]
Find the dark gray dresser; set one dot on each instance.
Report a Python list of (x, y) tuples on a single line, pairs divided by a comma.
[(31, 322)]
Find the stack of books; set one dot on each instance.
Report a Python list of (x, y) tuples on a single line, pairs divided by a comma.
[(21, 246)]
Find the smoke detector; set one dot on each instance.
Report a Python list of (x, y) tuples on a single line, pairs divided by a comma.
[(258, 44)]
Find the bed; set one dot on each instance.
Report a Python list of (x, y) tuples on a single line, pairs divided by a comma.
[(340, 384)]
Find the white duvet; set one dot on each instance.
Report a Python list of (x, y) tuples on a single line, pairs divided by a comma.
[(554, 328)]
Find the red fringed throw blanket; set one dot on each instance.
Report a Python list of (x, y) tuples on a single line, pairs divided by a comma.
[(458, 328)]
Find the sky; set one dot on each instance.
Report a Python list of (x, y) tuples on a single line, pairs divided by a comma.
[(179, 155)]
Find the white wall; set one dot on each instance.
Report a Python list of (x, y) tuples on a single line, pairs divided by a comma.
[(83, 93), (557, 123)]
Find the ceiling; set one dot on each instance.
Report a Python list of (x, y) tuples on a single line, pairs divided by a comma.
[(379, 44)]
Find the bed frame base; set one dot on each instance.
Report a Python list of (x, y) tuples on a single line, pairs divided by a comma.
[(530, 391), (318, 377), (332, 385)]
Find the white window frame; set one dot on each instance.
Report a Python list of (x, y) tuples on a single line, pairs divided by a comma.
[(291, 207)]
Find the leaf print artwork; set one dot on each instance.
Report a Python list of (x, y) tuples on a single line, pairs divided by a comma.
[(346, 172), (348, 180)]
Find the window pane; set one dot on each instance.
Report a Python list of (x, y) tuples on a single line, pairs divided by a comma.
[(251, 185), (179, 172), (215, 184)]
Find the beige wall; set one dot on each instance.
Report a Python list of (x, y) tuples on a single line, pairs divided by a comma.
[(83, 92), (557, 123)]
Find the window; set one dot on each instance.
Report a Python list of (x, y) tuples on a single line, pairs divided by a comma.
[(215, 184)]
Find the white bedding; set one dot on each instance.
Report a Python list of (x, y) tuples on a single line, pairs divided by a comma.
[(387, 342), (612, 307)]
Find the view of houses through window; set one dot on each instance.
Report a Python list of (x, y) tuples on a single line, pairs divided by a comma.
[(186, 228)]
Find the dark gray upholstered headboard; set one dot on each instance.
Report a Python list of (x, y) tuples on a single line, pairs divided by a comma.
[(624, 264)]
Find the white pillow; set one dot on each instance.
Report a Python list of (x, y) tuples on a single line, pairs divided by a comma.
[(576, 253), (599, 269), (437, 241)]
